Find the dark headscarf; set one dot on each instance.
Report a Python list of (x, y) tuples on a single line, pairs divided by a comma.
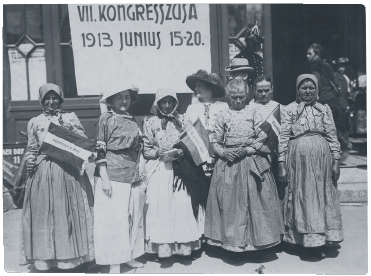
[(313, 102), (42, 93)]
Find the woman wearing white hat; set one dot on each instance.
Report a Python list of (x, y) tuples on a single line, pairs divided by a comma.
[(116, 183)]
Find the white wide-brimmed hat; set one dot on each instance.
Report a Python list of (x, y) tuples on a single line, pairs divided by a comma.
[(239, 64), (132, 90)]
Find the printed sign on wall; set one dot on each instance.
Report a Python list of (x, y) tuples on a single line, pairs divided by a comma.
[(147, 45)]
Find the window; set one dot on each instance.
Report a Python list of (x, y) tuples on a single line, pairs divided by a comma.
[(39, 49), (26, 50)]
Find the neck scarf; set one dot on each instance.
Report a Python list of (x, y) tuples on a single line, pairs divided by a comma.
[(173, 116), (302, 104), (42, 93)]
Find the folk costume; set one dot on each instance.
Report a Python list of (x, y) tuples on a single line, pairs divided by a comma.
[(308, 143), (57, 215), (174, 217), (243, 210)]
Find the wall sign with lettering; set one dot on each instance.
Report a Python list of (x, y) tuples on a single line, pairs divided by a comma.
[(147, 45)]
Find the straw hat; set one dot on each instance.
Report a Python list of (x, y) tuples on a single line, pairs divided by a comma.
[(132, 90), (216, 82), (239, 64)]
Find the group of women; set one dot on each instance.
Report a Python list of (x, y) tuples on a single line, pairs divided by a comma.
[(149, 195)]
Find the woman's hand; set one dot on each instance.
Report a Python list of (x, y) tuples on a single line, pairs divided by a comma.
[(160, 152), (241, 152), (180, 154), (230, 154), (107, 187), (282, 173), (30, 163), (335, 171)]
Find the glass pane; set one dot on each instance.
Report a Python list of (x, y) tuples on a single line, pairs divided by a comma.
[(34, 22), (64, 31), (15, 23), (18, 73), (246, 37), (37, 72)]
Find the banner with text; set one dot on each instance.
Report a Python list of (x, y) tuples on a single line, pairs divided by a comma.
[(146, 45)]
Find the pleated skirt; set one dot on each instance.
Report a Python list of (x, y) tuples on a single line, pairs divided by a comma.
[(170, 226), (242, 212), (57, 217), (311, 204)]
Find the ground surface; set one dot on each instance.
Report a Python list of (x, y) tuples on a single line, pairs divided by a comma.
[(351, 258)]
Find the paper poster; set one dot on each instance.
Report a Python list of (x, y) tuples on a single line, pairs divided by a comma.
[(147, 45)]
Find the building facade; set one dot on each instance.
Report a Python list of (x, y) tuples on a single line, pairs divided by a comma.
[(37, 49)]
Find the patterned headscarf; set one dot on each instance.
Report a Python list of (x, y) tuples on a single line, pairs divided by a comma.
[(313, 102), (156, 110), (42, 93)]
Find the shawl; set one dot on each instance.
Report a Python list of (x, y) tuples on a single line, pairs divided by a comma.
[(191, 178)]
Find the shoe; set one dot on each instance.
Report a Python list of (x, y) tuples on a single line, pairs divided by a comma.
[(114, 269), (135, 264)]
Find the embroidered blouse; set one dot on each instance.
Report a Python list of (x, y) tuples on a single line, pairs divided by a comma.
[(154, 137), (206, 112), (235, 128), (310, 121), (38, 126), (122, 138)]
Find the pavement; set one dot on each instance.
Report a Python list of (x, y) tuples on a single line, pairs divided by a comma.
[(350, 257)]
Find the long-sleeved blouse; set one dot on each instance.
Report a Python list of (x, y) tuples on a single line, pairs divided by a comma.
[(123, 141), (38, 126), (154, 137), (235, 128), (311, 121)]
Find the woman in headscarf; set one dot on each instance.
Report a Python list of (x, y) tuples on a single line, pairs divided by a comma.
[(243, 210), (309, 162), (177, 190), (57, 215), (118, 225)]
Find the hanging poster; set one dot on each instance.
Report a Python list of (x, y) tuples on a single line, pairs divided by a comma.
[(147, 45)]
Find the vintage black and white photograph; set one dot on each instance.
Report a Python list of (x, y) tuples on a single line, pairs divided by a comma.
[(197, 138)]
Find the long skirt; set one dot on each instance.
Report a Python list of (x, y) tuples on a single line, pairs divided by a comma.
[(115, 240), (242, 211), (311, 205), (170, 226), (57, 217)]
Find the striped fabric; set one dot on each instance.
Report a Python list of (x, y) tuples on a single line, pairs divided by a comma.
[(67, 146), (195, 139)]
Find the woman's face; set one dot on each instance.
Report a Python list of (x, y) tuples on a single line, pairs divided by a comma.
[(307, 90), (121, 102), (237, 99), (52, 100), (202, 92), (166, 104), (263, 90)]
